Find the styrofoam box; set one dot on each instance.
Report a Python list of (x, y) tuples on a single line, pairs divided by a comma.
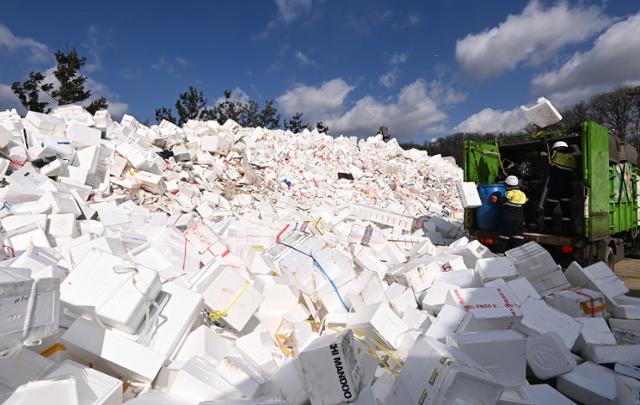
[(628, 390), (491, 268), (19, 369), (595, 331), (542, 114), (541, 318), (436, 296), (225, 286), (522, 289), (15, 293), (94, 387), (439, 374), (598, 277), (626, 331), (378, 321), (59, 391), (331, 370), (111, 353), (488, 308), (578, 302), (536, 265), (589, 383), (626, 307), (27, 236), (547, 356), (118, 298), (501, 352), (199, 380), (608, 354), (627, 370), (543, 394), (159, 398), (12, 222), (468, 192), (205, 342)]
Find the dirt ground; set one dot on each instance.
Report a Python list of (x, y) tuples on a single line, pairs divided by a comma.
[(629, 271)]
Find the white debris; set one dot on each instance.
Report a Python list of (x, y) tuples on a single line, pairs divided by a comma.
[(218, 264)]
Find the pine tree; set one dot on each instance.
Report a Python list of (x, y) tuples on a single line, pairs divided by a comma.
[(71, 88), (295, 124), (269, 117), (321, 127), (227, 109), (164, 113), (191, 104), (28, 92), (248, 116)]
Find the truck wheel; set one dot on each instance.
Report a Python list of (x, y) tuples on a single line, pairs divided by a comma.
[(609, 258)]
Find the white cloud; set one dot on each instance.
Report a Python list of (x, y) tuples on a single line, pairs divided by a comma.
[(413, 19), (490, 120), (388, 79), (532, 36), (8, 99), (613, 60), (304, 59), (237, 94), (162, 65), (315, 102), (182, 61), (96, 42), (412, 114), (398, 58), (117, 110), (37, 51), (289, 10)]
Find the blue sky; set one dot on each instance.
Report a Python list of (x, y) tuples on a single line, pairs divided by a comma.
[(422, 68)]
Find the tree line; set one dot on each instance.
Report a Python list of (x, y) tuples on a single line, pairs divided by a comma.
[(191, 104), (618, 110)]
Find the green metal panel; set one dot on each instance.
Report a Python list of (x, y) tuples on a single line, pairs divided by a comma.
[(623, 198), (595, 161), (480, 165)]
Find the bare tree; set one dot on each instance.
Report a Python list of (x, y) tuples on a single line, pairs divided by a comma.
[(613, 109)]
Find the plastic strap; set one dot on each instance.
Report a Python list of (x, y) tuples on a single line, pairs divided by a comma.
[(216, 315)]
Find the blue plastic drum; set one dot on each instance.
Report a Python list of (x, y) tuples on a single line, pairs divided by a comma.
[(489, 214)]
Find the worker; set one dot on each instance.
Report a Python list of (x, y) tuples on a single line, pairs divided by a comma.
[(560, 187), (511, 231)]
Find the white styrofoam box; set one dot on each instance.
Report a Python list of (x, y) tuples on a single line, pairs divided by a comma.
[(12, 222), (435, 297), (118, 164), (99, 288), (82, 136), (536, 265), (417, 319), (627, 370), (4, 166), (154, 397), (542, 394), (378, 321), (400, 297), (491, 268), (471, 252), (589, 383), (468, 192), (541, 318), (597, 277), (514, 396), (229, 291), (522, 289), (27, 236), (543, 113), (257, 347), (609, 354), (439, 374), (628, 390), (62, 225), (19, 369), (626, 331), (503, 353), (242, 376), (595, 331), (367, 259), (199, 380), (487, 307), (62, 203), (578, 302), (365, 289), (330, 369), (59, 391), (626, 307), (35, 259), (421, 273), (205, 342), (150, 256), (22, 324), (289, 383), (111, 353), (87, 158), (94, 387), (450, 320), (547, 356), (149, 181)]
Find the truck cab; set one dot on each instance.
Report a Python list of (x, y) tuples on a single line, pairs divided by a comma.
[(604, 191)]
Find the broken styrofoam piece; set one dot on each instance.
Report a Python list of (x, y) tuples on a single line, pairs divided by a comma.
[(435, 374), (589, 383), (541, 318), (502, 353), (536, 265), (331, 370), (547, 356)]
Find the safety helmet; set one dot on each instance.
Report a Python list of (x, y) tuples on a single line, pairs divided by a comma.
[(511, 181), (560, 144)]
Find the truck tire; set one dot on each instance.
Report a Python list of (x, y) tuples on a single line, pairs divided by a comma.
[(610, 258)]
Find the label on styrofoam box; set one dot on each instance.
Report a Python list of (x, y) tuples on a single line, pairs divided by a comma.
[(490, 308)]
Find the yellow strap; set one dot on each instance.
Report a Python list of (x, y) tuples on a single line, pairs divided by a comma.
[(216, 315), (53, 349)]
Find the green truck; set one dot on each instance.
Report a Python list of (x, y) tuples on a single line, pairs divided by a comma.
[(605, 191)]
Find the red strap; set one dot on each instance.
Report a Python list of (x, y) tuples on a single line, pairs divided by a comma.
[(281, 232), (591, 301)]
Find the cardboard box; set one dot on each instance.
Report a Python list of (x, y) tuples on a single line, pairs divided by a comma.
[(330, 369)]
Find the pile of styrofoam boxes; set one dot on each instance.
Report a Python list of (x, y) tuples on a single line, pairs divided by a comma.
[(175, 265)]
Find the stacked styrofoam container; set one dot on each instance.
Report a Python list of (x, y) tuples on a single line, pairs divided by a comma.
[(212, 263)]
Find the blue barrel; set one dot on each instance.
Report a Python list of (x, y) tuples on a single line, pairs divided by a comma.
[(489, 214)]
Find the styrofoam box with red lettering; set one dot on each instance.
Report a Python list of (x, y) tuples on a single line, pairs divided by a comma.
[(488, 308)]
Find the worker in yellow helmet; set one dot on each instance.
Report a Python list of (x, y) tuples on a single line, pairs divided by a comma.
[(559, 188), (511, 231)]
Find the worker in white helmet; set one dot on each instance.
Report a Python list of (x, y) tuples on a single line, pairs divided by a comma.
[(511, 230), (559, 188)]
